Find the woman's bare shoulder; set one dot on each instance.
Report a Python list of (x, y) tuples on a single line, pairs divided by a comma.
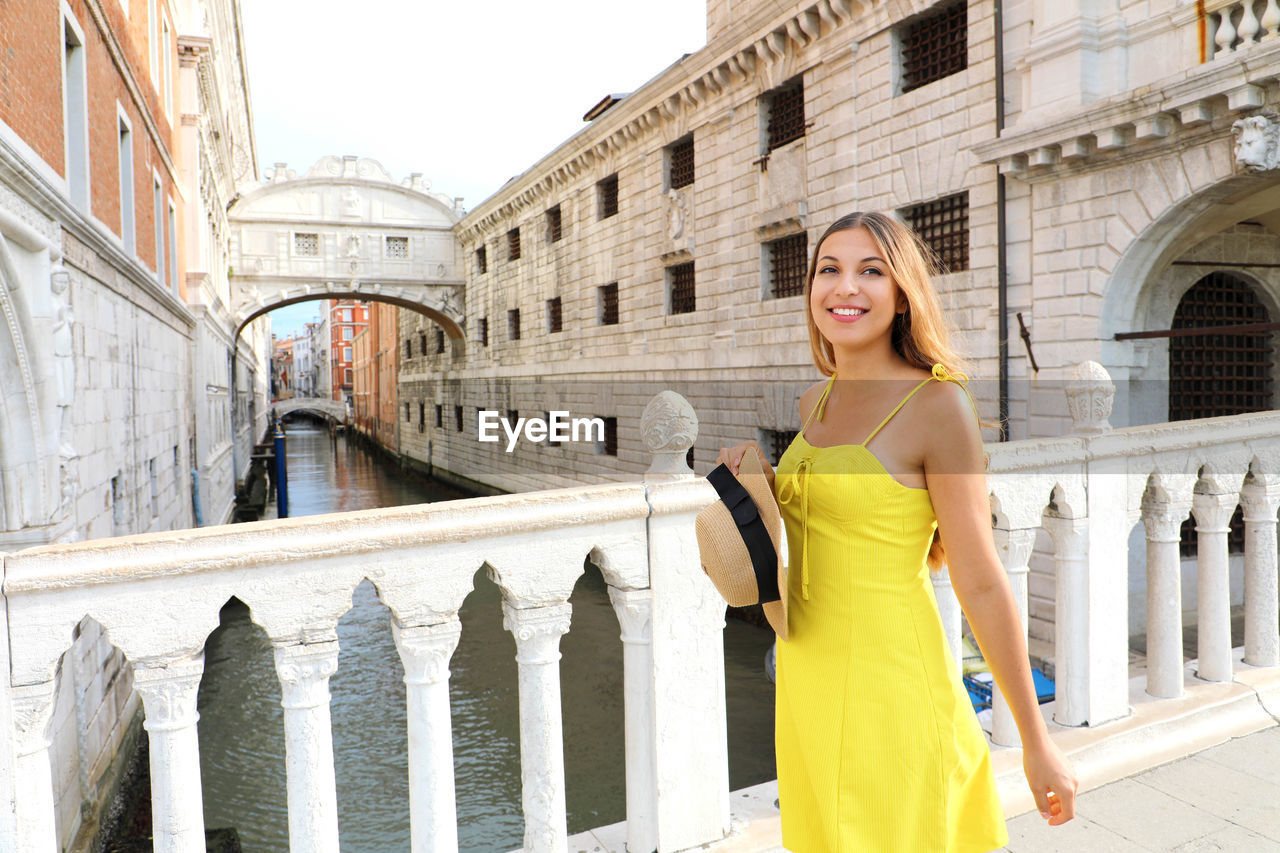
[(809, 398)]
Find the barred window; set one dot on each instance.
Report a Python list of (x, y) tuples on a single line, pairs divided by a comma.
[(422, 343), (607, 190), (482, 260), (306, 245), (397, 247), (422, 413), (406, 413), (554, 315), (553, 225), (609, 447), (482, 331), (513, 244), (934, 46), (787, 259), (457, 418), (408, 349), (784, 113), (680, 286), (439, 415), (680, 163), (439, 341), (776, 443), (513, 324), (943, 224), (609, 304)]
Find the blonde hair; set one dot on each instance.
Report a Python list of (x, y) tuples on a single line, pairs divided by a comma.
[(921, 335)]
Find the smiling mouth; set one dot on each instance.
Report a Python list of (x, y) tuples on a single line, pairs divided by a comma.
[(846, 314)]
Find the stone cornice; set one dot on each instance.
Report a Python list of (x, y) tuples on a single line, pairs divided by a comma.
[(729, 64), (1108, 128)]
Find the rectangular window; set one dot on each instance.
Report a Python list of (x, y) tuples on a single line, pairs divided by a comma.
[(422, 343), (345, 314), (607, 194), (166, 48), (482, 331), (155, 488), (177, 473), (439, 415), (439, 341), (308, 246), (346, 356), (153, 36), (680, 163), (513, 244), (513, 324), (408, 352), (784, 114), (406, 413), (680, 289), (554, 315), (943, 224), (348, 332), (609, 304), (553, 225), (787, 261), (75, 114), (933, 46), (347, 383), (482, 260), (775, 442), (397, 247), (457, 418), (158, 209), (126, 184), (422, 417), (173, 249), (609, 447), (117, 505)]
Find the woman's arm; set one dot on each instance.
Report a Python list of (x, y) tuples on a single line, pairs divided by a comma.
[(954, 472)]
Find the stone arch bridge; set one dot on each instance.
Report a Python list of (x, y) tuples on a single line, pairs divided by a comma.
[(323, 406)]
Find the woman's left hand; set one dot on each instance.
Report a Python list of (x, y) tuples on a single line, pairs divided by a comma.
[(1052, 781)]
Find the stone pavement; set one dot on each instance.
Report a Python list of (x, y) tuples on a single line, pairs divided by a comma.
[(1225, 798)]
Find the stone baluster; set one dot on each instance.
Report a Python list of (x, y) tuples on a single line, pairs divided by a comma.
[(1271, 21), (168, 692), (1248, 27), (1261, 602), (537, 631), (1071, 619), (949, 612), (634, 608), (1014, 548), (304, 672), (425, 651), (33, 795), (1226, 32), (1163, 523), (1213, 584)]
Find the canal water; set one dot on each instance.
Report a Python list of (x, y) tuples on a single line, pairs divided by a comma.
[(242, 724)]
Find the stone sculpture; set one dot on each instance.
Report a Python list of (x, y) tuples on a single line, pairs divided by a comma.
[(1257, 146)]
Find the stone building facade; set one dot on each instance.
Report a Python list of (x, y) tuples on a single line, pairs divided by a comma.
[(124, 128), (1092, 175)]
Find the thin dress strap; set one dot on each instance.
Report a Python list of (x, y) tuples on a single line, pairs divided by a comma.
[(820, 405), (940, 373), (895, 411)]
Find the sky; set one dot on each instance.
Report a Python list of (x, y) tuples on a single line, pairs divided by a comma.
[(468, 94)]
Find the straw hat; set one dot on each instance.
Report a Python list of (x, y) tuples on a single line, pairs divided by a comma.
[(739, 537)]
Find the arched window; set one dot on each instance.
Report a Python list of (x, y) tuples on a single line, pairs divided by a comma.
[(1219, 374)]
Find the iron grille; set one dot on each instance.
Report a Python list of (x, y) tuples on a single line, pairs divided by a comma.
[(408, 348), (943, 224), (608, 196), (779, 441), (682, 294), (457, 418), (422, 343), (482, 331), (610, 436), (553, 315), (482, 260), (422, 417), (306, 245), (406, 413), (513, 324), (439, 341), (935, 46), (553, 224), (439, 415), (787, 260), (1219, 374), (609, 304), (513, 244), (397, 247), (681, 169), (786, 113)]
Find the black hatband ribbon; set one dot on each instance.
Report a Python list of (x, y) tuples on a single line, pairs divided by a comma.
[(764, 558)]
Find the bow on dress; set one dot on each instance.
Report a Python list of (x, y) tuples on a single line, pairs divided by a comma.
[(796, 484)]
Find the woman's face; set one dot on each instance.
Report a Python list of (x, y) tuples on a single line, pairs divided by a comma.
[(854, 300)]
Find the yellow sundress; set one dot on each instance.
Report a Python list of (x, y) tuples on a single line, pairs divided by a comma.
[(878, 746)]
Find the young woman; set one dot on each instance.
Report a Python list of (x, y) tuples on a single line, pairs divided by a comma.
[(878, 747)]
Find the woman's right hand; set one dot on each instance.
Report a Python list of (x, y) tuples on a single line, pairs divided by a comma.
[(731, 457)]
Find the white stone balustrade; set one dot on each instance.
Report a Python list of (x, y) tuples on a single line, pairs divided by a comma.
[(1235, 25), (158, 596)]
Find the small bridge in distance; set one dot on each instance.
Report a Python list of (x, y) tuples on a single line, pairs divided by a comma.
[(334, 411)]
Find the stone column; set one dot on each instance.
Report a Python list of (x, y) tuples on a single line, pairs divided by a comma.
[(537, 631), (168, 694), (635, 614), (33, 793), (949, 612), (304, 672), (1014, 548), (1070, 619), (425, 651), (1261, 603), (1163, 522), (1213, 584)]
